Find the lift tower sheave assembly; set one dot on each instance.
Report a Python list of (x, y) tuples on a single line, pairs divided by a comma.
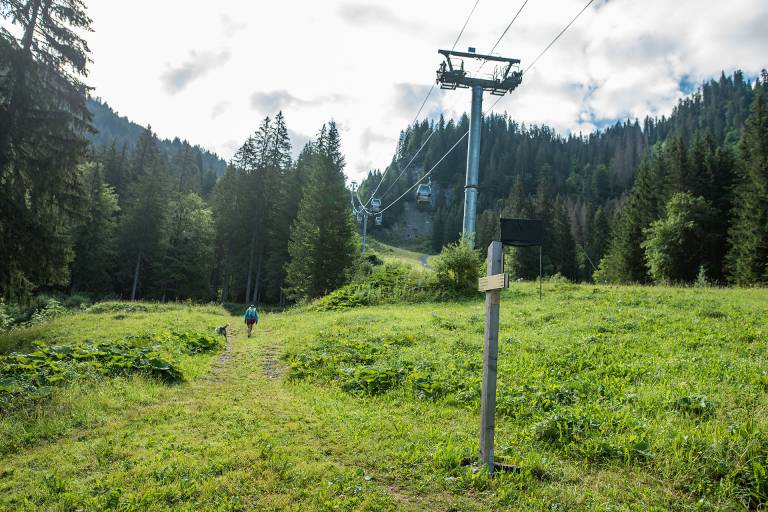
[(503, 79)]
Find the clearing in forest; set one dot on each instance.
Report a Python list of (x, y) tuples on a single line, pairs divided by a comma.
[(610, 398)]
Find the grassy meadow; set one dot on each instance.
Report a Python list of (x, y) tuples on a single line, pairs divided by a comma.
[(609, 398)]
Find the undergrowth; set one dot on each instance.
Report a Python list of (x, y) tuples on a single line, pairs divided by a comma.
[(27, 376)]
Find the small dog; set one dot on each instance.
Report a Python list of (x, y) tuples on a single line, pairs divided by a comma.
[(222, 330)]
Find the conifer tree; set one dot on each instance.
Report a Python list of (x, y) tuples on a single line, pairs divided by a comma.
[(144, 223), (321, 244), (43, 123), (748, 257), (95, 235)]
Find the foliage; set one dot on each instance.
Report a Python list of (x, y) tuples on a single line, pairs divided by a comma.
[(390, 283), (748, 257), (21, 375), (43, 123), (321, 238), (457, 268), (676, 245), (95, 234)]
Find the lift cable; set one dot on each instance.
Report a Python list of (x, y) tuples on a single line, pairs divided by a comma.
[(498, 41), (557, 37), (418, 113), (488, 110), (465, 25)]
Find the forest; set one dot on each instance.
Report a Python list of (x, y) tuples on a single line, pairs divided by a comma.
[(92, 203)]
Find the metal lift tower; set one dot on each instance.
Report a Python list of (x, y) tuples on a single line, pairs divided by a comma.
[(502, 80)]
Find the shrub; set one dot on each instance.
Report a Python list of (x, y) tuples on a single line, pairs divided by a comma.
[(51, 365), (388, 283), (6, 320), (457, 268), (51, 310)]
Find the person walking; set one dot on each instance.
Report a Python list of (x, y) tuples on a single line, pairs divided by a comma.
[(251, 318)]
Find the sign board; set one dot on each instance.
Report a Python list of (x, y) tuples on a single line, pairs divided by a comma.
[(522, 232), (494, 282)]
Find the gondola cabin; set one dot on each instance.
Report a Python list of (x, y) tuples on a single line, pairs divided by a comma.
[(375, 204), (379, 220), (424, 194)]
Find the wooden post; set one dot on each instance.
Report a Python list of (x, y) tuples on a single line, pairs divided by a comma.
[(490, 355)]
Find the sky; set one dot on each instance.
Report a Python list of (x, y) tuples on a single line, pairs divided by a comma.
[(209, 72)]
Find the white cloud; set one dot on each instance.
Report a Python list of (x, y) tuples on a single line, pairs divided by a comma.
[(369, 64), (175, 79)]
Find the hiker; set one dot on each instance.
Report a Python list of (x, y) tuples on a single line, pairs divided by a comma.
[(251, 318)]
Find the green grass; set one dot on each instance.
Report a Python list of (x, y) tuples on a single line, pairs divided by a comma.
[(610, 398), (391, 254)]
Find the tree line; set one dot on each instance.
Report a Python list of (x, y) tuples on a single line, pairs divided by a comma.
[(149, 219), (618, 203)]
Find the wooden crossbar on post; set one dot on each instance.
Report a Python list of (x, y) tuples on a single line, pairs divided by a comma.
[(490, 350)]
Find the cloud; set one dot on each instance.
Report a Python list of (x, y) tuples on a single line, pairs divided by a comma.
[(231, 27), (369, 138), (409, 97), (269, 103), (298, 141), (199, 64), (371, 15), (220, 108)]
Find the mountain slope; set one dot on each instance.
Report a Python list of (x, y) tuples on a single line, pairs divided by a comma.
[(111, 126)]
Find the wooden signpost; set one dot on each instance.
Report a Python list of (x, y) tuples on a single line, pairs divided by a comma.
[(517, 233), (492, 286)]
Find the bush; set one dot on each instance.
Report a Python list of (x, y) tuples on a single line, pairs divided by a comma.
[(457, 268), (386, 284), (22, 375), (51, 310), (6, 320)]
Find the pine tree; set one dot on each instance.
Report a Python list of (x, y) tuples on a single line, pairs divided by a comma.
[(144, 222), (321, 243), (43, 123), (748, 257), (95, 236)]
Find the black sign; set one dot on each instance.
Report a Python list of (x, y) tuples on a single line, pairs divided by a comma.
[(522, 232)]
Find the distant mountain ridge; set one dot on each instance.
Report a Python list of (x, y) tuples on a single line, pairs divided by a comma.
[(111, 126)]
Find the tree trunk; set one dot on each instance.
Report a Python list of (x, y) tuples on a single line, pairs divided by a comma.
[(136, 276), (225, 277), (256, 286), (250, 268), (19, 84), (26, 41)]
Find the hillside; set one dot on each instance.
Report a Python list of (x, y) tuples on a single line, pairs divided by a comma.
[(610, 398), (579, 184), (112, 127)]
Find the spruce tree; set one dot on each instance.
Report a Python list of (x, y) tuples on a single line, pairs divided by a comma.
[(144, 223), (321, 243), (748, 257), (95, 235), (43, 124)]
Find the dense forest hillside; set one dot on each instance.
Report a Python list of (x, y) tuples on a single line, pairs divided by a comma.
[(580, 184), (111, 127)]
